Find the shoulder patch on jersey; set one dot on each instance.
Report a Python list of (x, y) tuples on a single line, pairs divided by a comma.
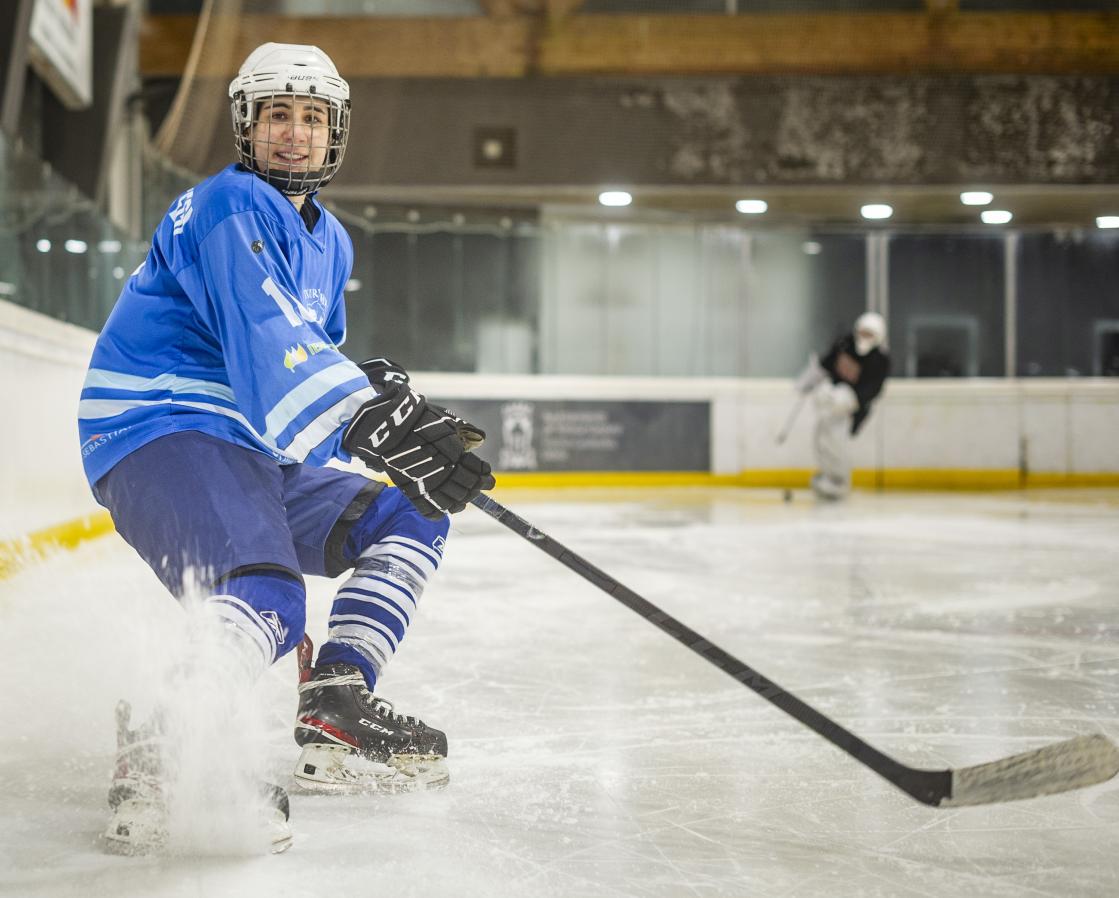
[(182, 212), (257, 246)]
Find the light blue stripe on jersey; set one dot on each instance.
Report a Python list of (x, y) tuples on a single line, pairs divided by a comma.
[(102, 379), (98, 409), (326, 424), (314, 388), (297, 438), (311, 390)]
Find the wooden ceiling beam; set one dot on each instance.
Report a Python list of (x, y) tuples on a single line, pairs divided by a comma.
[(512, 46)]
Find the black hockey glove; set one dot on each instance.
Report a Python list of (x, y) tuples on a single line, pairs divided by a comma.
[(382, 372), (422, 447)]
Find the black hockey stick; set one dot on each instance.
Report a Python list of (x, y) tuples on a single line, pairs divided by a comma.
[(786, 429), (1071, 764)]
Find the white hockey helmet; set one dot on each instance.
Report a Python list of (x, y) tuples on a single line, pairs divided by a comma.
[(870, 332), (301, 72)]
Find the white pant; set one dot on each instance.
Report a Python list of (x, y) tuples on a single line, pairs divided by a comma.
[(835, 403)]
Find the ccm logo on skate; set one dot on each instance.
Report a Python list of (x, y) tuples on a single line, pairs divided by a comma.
[(375, 726)]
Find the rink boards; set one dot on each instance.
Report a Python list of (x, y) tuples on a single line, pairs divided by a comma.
[(618, 431)]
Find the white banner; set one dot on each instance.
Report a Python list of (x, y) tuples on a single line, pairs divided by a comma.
[(62, 48)]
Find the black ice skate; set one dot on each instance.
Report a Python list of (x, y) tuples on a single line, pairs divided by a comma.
[(353, 740), (139, 791)]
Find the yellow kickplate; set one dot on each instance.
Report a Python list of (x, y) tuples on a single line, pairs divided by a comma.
[(16, 553)]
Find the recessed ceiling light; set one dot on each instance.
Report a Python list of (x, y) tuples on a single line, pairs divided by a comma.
[(1107, 221), (751, 207), (877, 211), (615, 198), (995, 216), (43, 245), (812, 247), (76, 246), (976, 197)]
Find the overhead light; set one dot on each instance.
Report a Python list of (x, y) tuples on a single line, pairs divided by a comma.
[(995, 216), (109, 246), (1107, 221), (751, 207), (7, 289), (43, 245), (76, 246), (352, 285), (877, 211), (812, 247), (118, 272), (976, 197), (615, 198)]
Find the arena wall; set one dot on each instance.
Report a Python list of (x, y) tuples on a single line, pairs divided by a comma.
[(923, 434)]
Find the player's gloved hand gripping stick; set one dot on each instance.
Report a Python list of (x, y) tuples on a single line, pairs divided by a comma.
[(425, 449), (1071, 764)]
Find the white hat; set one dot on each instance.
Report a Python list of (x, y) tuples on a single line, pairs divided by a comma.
[(873, 326)]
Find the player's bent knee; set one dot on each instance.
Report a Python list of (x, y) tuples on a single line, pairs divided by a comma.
[(270, 606), (393, 518)]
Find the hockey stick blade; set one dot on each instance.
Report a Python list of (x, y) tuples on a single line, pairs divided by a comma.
[(1072, 764), (1060, 767)]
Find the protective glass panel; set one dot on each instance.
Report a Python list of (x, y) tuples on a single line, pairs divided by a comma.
[(805, 291), (58, 255), (947, 305), (1068, 304)]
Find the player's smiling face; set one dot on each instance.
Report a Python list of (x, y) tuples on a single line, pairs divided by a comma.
[(291, 134)]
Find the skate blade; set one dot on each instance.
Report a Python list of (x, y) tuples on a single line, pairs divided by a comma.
[(281, 838), (338, 769), (139, 828)]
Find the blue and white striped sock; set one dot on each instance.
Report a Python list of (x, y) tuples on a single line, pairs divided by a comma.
[(373, 608)]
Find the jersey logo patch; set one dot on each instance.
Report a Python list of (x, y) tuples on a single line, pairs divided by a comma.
[(315, 299), (182, 212), (294, 311), (298, 354), (295, 355)]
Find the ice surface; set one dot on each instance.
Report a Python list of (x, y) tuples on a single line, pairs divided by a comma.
[(593, 756)]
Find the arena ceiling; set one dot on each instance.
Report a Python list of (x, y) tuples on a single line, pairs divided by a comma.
[(553, 44)]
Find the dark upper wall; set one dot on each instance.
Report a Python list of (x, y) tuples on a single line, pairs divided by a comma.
[(724, 131)]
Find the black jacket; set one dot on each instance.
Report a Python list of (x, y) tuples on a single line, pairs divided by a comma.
[(874, 367)]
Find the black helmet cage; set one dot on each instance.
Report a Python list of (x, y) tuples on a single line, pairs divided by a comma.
[(291, 182)]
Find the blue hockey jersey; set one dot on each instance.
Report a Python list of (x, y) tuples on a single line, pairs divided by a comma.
[(230, 327)]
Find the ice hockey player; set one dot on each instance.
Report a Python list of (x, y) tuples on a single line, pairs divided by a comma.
[(843, 385), (215, 396)]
